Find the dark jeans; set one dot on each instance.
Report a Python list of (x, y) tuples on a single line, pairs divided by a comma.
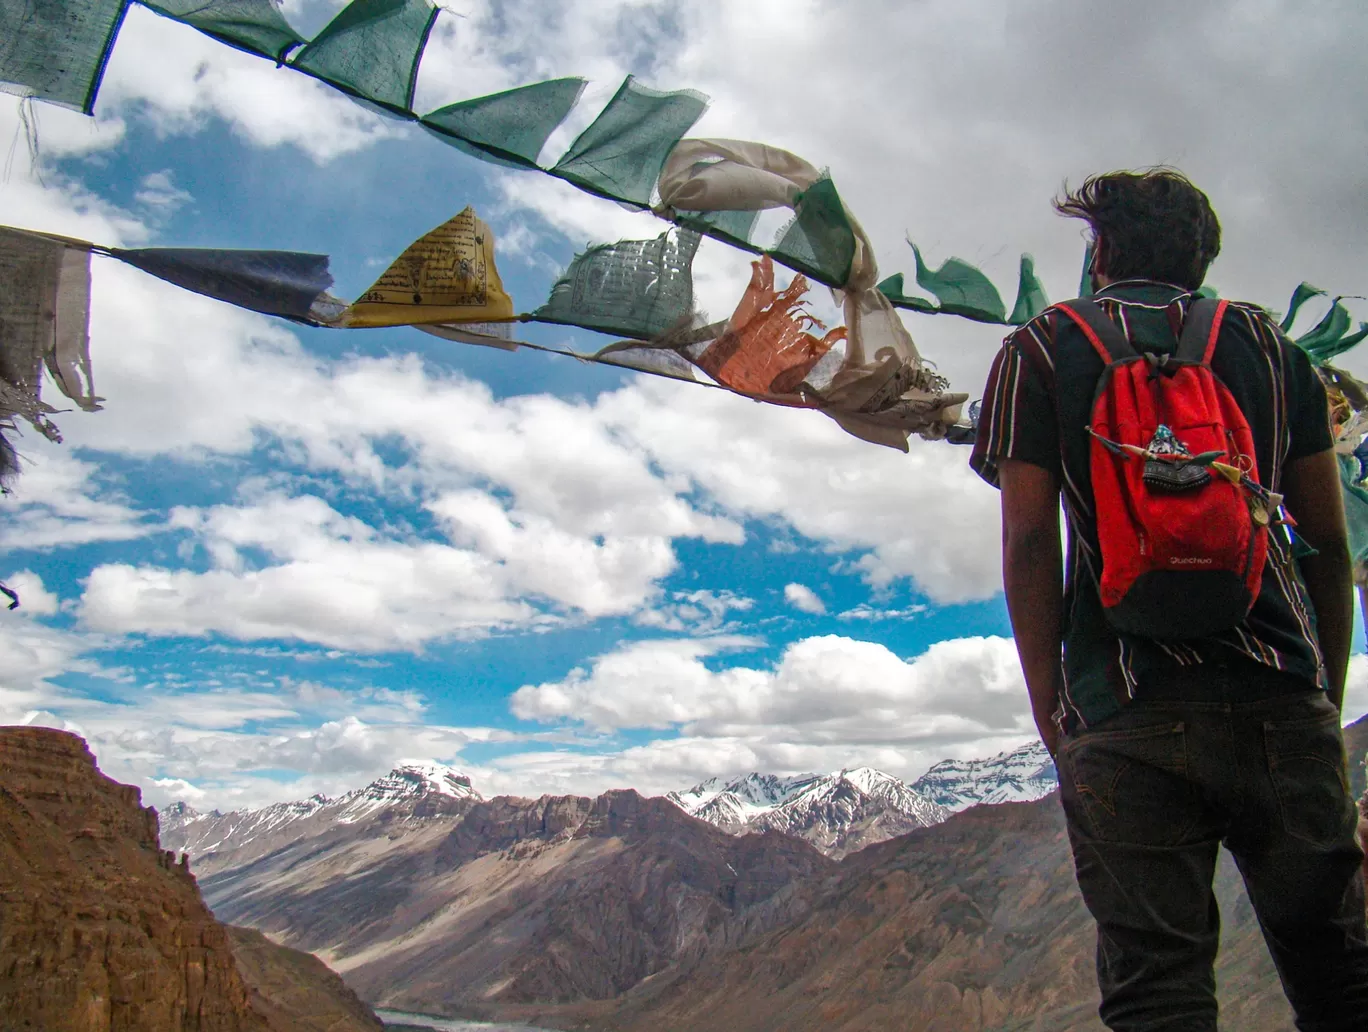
[(1151, 794)]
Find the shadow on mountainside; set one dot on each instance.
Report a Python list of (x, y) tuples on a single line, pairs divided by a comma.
[(625, 913)]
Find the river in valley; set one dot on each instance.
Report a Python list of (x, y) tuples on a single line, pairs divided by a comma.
[(401, 1020)]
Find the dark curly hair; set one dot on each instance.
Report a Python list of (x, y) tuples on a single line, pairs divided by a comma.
[(1147, 225)]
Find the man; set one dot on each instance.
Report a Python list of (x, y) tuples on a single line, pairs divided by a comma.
[(1167, 749)]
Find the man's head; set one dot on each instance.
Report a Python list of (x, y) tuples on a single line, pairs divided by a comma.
[(1147, 225)]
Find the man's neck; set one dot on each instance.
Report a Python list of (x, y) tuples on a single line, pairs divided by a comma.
[(1137, 281)]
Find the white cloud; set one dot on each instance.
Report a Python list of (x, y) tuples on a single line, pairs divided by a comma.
[(695, 612), (57, 501), (804, 599), (212, 743), (31, 656), (367, 596), (922, 516), (34, 598), (538, 497), (159, 193), (874, 614), (38, 196), (827, 698), (337, 581), (178, 789), (827, 702), (172, 752), (610, 694), (181, 78)]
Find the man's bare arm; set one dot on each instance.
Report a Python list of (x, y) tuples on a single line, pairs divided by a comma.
[(1033, 575), (1311, 489)]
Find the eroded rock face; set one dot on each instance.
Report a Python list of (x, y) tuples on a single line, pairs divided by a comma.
[(100, 929), (295, 991)]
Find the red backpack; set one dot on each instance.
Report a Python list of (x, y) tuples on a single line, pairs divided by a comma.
[(1182, 520)]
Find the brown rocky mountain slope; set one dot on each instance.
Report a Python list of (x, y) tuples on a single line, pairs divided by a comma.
[(102, 931), (294, 990), (557, 899), (624, 913), (973, 925)]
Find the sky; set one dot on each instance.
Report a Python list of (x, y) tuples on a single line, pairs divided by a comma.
[(283, 560)]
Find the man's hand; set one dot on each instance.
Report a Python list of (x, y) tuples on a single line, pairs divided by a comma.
[(1048, 731), (1033, 577)]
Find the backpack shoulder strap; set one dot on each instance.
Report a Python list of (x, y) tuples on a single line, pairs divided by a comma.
[(1201, 328), (1104, 335)]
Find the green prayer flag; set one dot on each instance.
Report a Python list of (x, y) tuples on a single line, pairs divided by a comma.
[(894, 288), (1304, 293), (961, 289), (1031, 297), (1355, 509), (633, 288), (983, 307), (1325, 333), (1348, 341), (56, 50), (256, 26), (371, 50), (819, 241), (512, 126), (731, 227), (622, 152), (1331, 336)]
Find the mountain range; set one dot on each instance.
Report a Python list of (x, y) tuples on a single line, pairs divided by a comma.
[(629, 913), (421, 791), (510, 901), (839, 813), (426, 896), (849, 809)]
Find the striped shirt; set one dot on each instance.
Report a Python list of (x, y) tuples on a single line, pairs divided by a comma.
[(1036, 407)]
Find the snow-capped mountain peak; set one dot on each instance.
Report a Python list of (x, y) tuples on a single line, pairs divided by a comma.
[(1020, 775), (412, 790), (837, 812), (874, 782), (417, 778), (741, 799), (412, 782), (857, 806)]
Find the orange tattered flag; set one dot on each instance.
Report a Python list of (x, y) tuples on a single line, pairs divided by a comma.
[(767, 347)]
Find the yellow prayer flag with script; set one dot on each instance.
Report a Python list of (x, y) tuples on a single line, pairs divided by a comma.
[(446, 276)]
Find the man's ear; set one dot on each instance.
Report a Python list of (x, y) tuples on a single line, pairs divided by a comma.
[(1097, 268)]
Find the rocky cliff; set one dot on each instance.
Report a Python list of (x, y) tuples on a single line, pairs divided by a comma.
[(100, 929), (295, 991)]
